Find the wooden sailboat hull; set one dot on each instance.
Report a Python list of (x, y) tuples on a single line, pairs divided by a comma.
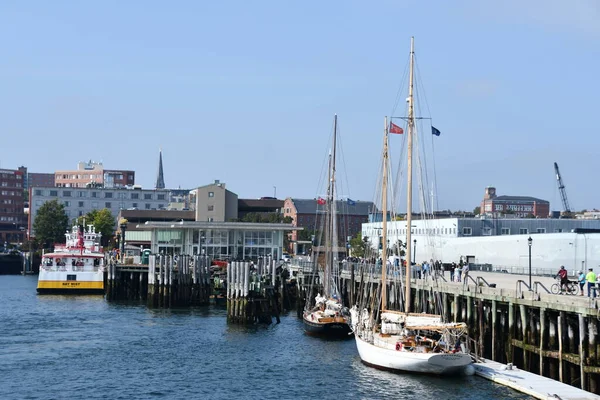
[(335, 329), (404, 361)]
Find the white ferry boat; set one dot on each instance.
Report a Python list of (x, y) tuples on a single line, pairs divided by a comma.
[(75, 267)]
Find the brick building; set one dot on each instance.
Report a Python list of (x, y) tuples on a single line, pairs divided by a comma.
[(307, 213), (520, 206), (12, 217), (94, 173), (37, 179)]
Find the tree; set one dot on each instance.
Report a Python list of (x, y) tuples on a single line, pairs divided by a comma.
[(359, 246), (477, 210), (51, 223), (102, 220)]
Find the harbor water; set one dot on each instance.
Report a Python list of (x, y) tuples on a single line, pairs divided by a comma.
[(82, 347)]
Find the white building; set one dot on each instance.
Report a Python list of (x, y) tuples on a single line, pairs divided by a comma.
[(500, 242)]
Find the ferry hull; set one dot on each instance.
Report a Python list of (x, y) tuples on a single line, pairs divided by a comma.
[(333, 330), (70, 282), (404, 361)]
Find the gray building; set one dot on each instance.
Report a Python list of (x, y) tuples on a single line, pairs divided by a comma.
[(80, 201), (214, 203)]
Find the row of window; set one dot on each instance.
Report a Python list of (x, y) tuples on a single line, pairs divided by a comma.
[(10, 193), (16, 185), (504, 231), (8, 218), (5, 175), (107, 195)]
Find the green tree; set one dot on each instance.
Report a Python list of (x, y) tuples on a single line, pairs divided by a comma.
[(51, 223), (358, 245), (477, 210), (102, 220)]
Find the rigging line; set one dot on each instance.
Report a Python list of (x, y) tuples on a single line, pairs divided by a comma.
[(423, 154), (401, 89)]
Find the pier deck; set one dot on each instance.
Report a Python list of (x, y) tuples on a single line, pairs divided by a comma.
[(534, 385)]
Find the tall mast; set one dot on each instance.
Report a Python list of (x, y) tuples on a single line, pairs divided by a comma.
[(333, 209), (411, 121), (384, 218), (327, 248)]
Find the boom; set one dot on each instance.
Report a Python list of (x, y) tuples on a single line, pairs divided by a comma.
[(563, 192)]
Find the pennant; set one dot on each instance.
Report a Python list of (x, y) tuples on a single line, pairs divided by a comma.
[(321, 201), (351, 202), (396, 129), (435, 131)]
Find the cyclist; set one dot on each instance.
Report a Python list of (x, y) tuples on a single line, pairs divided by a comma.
[(562, 273)]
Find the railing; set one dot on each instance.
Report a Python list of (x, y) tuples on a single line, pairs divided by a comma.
[(537, 284), (518, 290)]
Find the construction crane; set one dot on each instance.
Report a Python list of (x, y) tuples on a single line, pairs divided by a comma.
[(563, 192)]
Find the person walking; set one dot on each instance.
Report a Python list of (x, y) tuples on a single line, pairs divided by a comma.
[(591, 283), (581, 280)]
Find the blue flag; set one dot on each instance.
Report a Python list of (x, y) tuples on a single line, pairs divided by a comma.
[(351, 202), (435, 131)]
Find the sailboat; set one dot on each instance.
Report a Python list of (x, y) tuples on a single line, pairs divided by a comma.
[(398, 339), (326, 316)]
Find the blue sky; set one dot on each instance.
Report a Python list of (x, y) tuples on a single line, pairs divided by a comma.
[(245, 92)]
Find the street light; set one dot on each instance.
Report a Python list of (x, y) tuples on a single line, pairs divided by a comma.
[(529, 242), (123, 226), (415, 252)]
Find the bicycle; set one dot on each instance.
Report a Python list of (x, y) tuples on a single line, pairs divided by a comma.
[(571, 288)]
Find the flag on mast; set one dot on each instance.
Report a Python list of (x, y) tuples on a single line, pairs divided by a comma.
[(321, 201), (396, 129), (351, 202), (435, 131)]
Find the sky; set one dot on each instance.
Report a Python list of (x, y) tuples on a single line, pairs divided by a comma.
[(245, 92)]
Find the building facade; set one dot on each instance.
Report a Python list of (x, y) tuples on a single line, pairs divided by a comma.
[(12, 217), (214, 203), (519, 206), (263, 206), (93, 173), (219, 240), (80, 201), (31, 179), (308, 214)]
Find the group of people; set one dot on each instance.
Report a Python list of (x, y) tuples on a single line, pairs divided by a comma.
[(582, 279)]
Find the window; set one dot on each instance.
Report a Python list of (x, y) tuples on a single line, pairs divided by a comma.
[(67, 204), (523, 231), (147, 196), (72, 277), (210, 219), (135, 196), (541, 230), (558, 230), (38, 192), (160, 197), (67, 193), (147, 206), (505, 231), (108, 195), (94, 194), (467, 231), (81, 204), (161, 206), (211, 194), (107, 204), (134, 205), (54, 193), (81, 194), (487, 231), (211, 208)]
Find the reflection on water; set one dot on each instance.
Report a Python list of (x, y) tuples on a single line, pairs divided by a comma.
[(85, 348)]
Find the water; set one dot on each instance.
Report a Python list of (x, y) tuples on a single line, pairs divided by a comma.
[(60, 347)]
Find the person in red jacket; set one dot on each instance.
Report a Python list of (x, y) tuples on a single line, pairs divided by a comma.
[(562, 273)]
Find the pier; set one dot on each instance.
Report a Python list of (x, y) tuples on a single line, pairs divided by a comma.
[(555, 336)]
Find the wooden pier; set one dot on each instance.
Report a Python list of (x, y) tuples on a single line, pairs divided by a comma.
[(555, 336)]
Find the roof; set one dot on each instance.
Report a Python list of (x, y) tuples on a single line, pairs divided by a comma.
[(309, 206), (259, 204), (244, 226), (518, 198), (157, 215)]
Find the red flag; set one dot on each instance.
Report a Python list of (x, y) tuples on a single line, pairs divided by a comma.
[(396, 129), (321, 201)]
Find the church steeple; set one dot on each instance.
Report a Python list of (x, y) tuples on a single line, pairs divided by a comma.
[(160, 180)]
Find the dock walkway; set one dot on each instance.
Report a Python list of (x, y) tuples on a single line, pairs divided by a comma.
[(534, 385)]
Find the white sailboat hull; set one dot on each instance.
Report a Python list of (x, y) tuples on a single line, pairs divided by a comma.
[(427, 363)]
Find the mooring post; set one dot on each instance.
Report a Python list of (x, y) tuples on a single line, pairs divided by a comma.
[(494, 330), (524, 325), (582, 352), (561, 319), (541, 338)]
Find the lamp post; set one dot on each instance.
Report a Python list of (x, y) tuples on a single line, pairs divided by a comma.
[(529, 242), (123, 226), (415, 251)]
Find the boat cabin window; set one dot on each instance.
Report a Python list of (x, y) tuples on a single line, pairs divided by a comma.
[(71, 277)]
